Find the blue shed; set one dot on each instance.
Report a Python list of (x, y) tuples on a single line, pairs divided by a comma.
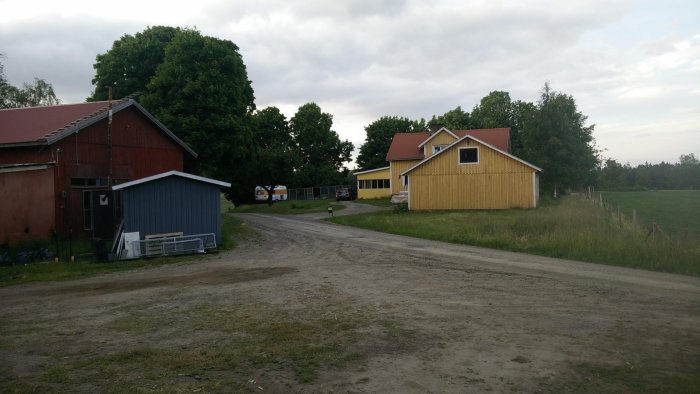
[(172, 202)]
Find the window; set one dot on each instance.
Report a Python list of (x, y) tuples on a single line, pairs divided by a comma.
[(468, 155), (438, 148), (405, 180), (373, 184)]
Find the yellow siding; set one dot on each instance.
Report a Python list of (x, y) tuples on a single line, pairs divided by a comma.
[(365, 194), (397, 167), (374, 193), (496, 182), (443, 138)]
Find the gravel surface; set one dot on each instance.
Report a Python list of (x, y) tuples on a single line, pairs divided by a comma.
[(466, 319)]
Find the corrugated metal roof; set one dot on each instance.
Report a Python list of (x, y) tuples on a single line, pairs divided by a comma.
[(37, 124), (46, 125)]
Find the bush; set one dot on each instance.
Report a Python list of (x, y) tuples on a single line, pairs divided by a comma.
[(401, 207)]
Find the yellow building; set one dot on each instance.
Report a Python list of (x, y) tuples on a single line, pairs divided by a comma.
[(373, 183), (470, 174)]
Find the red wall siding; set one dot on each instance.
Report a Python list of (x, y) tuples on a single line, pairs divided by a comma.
[(139, 149), (26, 205)]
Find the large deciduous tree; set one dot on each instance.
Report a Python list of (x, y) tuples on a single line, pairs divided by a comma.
[(558, 140), (379, 135), (131, 62), (320, 151), (201, 91), (455, 119)]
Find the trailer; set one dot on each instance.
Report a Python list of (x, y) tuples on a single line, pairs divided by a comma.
[(279, 193)]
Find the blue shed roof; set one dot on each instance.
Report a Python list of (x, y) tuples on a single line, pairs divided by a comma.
[(167, 174)]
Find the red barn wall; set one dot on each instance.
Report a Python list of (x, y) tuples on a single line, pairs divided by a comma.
[(26, 205), (139, 149)]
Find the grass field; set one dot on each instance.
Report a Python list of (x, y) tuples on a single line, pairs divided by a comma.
[(677, 212), (378, 202), (571, 228)]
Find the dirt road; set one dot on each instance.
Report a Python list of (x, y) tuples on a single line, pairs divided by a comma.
[(452, 318)]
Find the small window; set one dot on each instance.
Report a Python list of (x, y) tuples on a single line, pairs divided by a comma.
[(468, 155), (438, 148), (405, 180), (387, 184)]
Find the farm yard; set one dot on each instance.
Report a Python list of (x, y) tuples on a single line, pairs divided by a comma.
[(310, 306)]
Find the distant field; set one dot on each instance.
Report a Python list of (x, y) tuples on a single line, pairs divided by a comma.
[(677, 212), (286, 207)]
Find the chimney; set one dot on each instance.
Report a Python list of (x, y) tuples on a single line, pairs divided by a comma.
[(434, 127)]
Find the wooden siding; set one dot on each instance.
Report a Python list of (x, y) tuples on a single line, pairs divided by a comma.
[(374, 193), (443, 138), (495, 182), (26, 205), (172, 204), (397, 167)]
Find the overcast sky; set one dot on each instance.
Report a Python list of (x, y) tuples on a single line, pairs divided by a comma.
[(632, 66)]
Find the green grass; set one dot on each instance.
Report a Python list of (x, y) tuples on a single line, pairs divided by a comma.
[(571, 228), (290, 207), (379, 202), (231, 230), (677, 212), (243, 346)]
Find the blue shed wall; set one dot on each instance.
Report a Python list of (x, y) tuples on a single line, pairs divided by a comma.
[(172, 204)]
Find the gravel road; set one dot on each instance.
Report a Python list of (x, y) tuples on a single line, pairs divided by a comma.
[(476, 319)]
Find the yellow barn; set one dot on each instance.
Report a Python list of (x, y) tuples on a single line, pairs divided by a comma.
[(373, 183), (469, 174)]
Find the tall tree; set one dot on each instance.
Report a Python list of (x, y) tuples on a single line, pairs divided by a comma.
[(558, 140), (201, 91), (8, 92), (275, 158), (493, 111), (131, 62), (321, 152), (379, 135), (455, 119)]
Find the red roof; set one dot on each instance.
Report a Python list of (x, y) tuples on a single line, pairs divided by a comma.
[(404, 146), (24, 125), (499, 138)]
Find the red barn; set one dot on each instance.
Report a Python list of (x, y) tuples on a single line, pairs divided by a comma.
[(54, 160)]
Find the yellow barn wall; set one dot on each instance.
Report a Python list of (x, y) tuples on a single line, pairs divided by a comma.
[(496, 182), (374, 193), (443, 138), (397, 167)]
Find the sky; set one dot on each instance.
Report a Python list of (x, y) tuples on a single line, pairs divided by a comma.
[(633, 67)]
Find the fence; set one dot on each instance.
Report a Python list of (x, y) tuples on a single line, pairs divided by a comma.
[(315, 193), (629, 221)]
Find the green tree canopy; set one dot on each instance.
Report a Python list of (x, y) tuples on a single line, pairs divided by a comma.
[(455, 119), (274, 159), (379, 135), (320, 151), (557, 139), (131, 62), (201, 91)]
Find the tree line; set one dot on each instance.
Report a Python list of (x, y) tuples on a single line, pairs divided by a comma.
[(198, 86), (685, 174)]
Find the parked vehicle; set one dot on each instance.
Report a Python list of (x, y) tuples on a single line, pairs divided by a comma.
[(279, 194), (345, 193)]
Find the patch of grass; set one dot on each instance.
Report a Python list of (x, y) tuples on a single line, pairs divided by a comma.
[(232, 230), (571, 228), (677, 212), (290, 207), (241, 341), (378, 202)]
